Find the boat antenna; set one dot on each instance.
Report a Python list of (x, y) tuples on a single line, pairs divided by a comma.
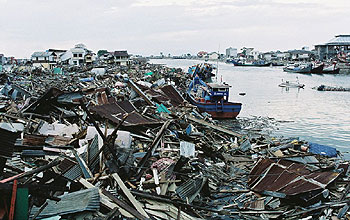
[(217, 65)]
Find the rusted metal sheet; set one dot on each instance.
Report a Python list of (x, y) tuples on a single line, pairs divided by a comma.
[(288, 177), (126, 106), (174, 96), (258, 169), (115, 113)]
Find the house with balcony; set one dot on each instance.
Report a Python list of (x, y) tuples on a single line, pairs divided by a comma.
[(46, 60), (300, 55), (121, 58), (330, 49), (76, 56)]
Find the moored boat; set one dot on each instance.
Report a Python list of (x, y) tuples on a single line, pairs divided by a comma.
[(331, 69), (298, 68), (317, 69), (260, 63), (213, 98)]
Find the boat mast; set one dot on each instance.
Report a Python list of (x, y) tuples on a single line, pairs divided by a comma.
[(217, 65)]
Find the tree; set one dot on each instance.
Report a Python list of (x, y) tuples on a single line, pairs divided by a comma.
[(101, 52)]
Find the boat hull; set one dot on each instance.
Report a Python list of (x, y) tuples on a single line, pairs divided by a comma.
[(318, 69), (334, 71), (253, 65), (226, 110), (298, 70)]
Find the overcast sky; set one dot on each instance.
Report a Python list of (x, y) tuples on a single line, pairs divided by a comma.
[(171, 26)]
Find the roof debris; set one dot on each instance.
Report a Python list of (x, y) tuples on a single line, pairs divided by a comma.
[(123, 143)]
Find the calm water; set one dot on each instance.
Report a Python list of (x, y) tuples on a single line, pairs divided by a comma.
[(321, 117)]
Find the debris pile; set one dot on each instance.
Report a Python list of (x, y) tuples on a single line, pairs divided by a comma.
[(123, 143), (331, 88)]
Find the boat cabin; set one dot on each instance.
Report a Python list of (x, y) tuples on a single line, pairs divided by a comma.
[(216, 92)]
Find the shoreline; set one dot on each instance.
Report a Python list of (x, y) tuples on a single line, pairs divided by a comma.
[(155, 150)]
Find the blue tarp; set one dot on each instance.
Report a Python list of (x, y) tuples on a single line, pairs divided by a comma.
[(322, 150), (89, 79)]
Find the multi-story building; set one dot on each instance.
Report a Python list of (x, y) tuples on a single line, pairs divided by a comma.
[(231, 52), (330, 49), (44, 59)]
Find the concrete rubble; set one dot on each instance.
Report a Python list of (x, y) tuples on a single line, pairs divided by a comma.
[(118, 142)]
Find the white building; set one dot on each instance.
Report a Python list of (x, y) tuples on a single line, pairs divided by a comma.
[(231, 52), (75, 56), (254, 54), (44, 59), (213, 56)]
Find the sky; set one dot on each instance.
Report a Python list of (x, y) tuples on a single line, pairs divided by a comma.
[(177, 27)]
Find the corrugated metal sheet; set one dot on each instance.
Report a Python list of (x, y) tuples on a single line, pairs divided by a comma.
[(115, 113), (127, 106), (190, 189), (92, 153), (287, 177), (174, 96), (8, 140), (70, 169), (73, 173), (83, 200)]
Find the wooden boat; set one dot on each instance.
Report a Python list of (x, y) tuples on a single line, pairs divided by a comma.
[(290, 84), (252, 64), (317, 69), (213, 99), (331, 70), (298, 68)]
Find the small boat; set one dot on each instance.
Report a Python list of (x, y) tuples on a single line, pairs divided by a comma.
[(317, 69), (298, 68), (260, 63), (331, 70), (290, 84), (277, 64), (213, 99)]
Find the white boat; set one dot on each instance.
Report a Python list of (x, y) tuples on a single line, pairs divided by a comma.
[(290, 84)]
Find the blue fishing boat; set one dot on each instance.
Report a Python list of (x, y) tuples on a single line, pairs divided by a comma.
[(213, 99), (203, 70)]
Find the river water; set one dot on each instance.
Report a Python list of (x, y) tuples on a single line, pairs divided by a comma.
[(315, 116)]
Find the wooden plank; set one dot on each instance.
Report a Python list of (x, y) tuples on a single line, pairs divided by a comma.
[(131, 198), (105, 201), (202, 122), (158, 214), (151, 149), (139, 91), (13, 200), (128, 208)]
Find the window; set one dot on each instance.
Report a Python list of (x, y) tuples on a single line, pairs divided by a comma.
[(37, 58), (75, 62), (80, 55), (75, 55)]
